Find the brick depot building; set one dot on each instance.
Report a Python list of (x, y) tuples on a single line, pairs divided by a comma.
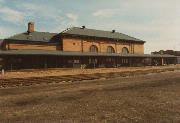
[(76, 47), (169, 52)]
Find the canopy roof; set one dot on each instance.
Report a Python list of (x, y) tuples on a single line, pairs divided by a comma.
[(61, 53)]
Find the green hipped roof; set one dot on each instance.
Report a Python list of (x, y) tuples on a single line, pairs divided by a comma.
[(99, 33), (35, 37), (47, 37)]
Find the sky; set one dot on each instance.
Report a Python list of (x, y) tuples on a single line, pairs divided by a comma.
[(155, 21)]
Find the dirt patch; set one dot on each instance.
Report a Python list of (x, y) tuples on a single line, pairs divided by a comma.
[(152, 98), (96, 74), (67, 72)]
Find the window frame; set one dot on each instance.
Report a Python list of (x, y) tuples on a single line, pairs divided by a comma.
[(93, 49), (110, 49), (125, 50)]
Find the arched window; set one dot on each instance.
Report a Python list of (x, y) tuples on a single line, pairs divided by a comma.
[(110, 49), (125, 50), (93, 48)]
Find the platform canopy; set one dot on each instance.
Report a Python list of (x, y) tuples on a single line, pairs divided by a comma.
[(61, 53)]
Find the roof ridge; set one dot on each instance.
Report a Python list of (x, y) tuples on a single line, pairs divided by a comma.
[(34, 36), (99, 33), (14, 35), (68, 29), (46, 32), (130, 36), (115, 32)]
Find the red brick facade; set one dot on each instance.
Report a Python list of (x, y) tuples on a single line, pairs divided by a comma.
[(83, 45)]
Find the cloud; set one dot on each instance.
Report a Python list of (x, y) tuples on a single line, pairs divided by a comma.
[(34, 9), (46, 17), (154, 21), (71, 16), (54, 18), (72, 19), (68, 20), (161, 33), (11, 15), (105, 13), (6, 32), (2, 1), (30, 6)]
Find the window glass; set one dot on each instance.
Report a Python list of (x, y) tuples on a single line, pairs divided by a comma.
[(110, 49), (125, 50), (93, 48)]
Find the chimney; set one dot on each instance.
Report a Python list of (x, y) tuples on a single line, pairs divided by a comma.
[(30, 27), (83, 27), (113, 31)]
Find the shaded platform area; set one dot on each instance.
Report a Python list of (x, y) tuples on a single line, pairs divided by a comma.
[(178, 60), (28, 59)]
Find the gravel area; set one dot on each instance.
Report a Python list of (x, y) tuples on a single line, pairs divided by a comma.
[(152, 98)]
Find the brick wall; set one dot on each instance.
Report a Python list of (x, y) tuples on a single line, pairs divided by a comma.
[(83, 45), (30, 47), (138, 49), (71, 45)]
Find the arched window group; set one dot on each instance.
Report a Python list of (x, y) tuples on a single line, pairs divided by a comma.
[(110, 49)]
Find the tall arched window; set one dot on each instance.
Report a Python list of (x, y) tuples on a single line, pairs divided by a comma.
[(110, 49), (93, 48), (125, 50)]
